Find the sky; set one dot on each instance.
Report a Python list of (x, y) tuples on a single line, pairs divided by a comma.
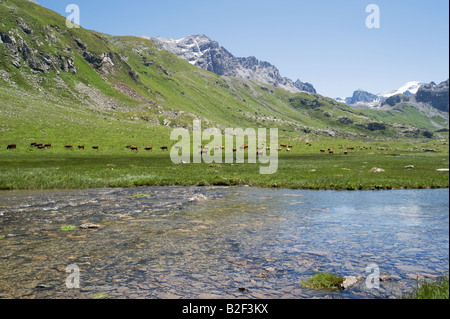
[(324, 42)]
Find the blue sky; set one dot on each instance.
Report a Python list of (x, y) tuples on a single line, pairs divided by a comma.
[(324, 42)]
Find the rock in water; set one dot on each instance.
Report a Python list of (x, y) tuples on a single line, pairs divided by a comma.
[(198, 198), (350, 281), (90, 226)]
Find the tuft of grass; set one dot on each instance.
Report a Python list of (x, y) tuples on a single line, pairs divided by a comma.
[(68, 227), (140, 195), (323, 280), (100, 295), (431, 290)]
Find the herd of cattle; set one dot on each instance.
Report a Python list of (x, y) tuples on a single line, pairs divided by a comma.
[(204, 149), (80, 147)]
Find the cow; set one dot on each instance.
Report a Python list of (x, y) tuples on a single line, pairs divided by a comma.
[(81, 147), (260, 153), (322, 151), (69, 147), (346, 152), (48, 145), (331, 152), (164, 148), (95, 148), (290, 146), (128, 146), (11, 147), (283, 145), (288, 150), (234, 150), (134, 148), (33, 144), (41, 147), (149, 148)]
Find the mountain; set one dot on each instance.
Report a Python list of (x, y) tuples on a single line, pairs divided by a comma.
[(431, 94), (80, 86), (434, 95), (409, 88), (207, 54), (365, 99)]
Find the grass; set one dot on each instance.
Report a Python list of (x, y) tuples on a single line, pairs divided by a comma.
[(68, 227), (303, 168), (49, 109), (323, 280), (431, 290)]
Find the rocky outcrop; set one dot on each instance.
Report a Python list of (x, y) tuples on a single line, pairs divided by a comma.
[(374, 126), (434, 95), (20, 53), (398, 98), (207, 54)]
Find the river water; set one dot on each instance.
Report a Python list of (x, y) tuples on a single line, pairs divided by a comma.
[(219, 242)]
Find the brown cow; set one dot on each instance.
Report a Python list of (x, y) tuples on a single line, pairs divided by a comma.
[(283, 145), (81, 147), (33, 144), (69, 147), (345, 152), (11, 147), (149, 148), (322, 151), (290, 146), (164, 148), (134, 148), (48, 145), (331, 152), (95, 148)]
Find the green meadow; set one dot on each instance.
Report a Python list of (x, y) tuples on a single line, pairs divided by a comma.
[(305, 167)]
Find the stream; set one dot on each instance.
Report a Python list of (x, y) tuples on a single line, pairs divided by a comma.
[(219, 242)]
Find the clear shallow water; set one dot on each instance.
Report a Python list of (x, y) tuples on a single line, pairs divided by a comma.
[(265, 240)]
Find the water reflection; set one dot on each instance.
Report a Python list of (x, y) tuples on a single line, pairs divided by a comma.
[(159, 242)]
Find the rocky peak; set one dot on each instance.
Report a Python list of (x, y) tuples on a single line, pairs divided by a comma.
[(436, 95), (207, 54)]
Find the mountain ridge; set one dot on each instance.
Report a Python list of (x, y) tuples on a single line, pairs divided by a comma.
[(414, 91), (207, 54)]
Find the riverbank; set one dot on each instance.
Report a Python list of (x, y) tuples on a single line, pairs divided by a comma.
[(369, 170)]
